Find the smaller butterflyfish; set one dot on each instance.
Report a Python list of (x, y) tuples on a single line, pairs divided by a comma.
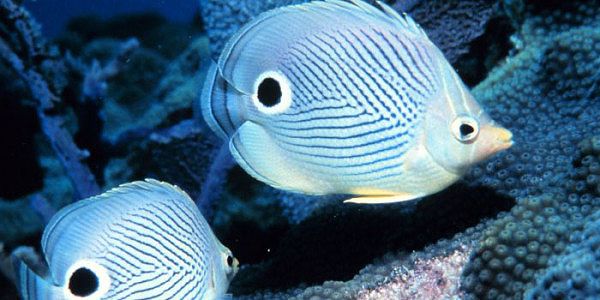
[(141, 240)]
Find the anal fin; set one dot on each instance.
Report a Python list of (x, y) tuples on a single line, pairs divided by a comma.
[(259, 155), (382, 199)]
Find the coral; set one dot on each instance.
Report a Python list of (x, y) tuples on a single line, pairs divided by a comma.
[(94, 81), (546, 95), (434, 278), (149, 91), (213, 185), (518, 247), (6, 272), (25, 217), (26, 53), (179, 155), (151, 29), (450, 24), (223, 18), (431, 273), (18, 220), (576, 273), (338, 239)]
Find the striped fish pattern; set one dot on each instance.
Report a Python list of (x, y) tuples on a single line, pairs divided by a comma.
[(343, 97), (142, 240)]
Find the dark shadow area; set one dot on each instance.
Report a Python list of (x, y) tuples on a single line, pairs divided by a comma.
[(21, 172), (252, 243), (341, 239), (486, 51)]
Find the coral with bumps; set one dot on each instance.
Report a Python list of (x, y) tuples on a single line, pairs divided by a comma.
[(435, 278), (431, 273), (547, 95), (338, 239), (223, 18), (450, 24), (519, 246), (576, 273)]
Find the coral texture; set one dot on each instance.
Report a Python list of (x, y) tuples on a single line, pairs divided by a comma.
[(450, 24), (576, 273), (547, 96)]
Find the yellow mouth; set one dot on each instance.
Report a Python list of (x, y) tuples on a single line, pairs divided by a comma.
[(503, 137)]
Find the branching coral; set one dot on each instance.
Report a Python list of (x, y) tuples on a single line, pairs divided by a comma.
[(26, 53)]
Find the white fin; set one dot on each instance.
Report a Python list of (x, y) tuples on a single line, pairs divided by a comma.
[(31, 285), (221, 105), (74, 232), (382, 199), (257, 153), (261, 45)]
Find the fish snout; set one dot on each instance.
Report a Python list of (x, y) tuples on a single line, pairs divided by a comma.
[(497, 138)]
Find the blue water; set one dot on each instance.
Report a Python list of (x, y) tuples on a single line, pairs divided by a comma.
[(54, 14)]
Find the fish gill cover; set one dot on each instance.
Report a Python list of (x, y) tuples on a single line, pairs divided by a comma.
[(105, 102)]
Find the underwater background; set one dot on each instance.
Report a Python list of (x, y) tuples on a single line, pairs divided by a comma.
[(99, 93)]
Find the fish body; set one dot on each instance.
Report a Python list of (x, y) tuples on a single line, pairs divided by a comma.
[(337, 97), (142, 240)]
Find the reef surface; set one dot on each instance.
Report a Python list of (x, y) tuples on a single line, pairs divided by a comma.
[(106, 102)]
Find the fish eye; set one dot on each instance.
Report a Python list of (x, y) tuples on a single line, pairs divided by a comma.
[(269, 92), (272, 93), (85, 279), (83, 282), (465, 129), (230, 261)]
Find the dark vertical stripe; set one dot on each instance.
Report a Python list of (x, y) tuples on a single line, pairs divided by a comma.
[(416, 64), (404, 65), (376, 79)]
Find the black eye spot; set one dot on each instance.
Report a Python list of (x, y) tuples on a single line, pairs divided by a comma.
[(466, 129), (230, 261), (269, 92), (83, 282)]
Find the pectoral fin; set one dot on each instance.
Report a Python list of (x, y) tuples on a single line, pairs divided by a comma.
[(259, 155)]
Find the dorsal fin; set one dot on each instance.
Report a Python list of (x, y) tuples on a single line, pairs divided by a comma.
[(260, 45)]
